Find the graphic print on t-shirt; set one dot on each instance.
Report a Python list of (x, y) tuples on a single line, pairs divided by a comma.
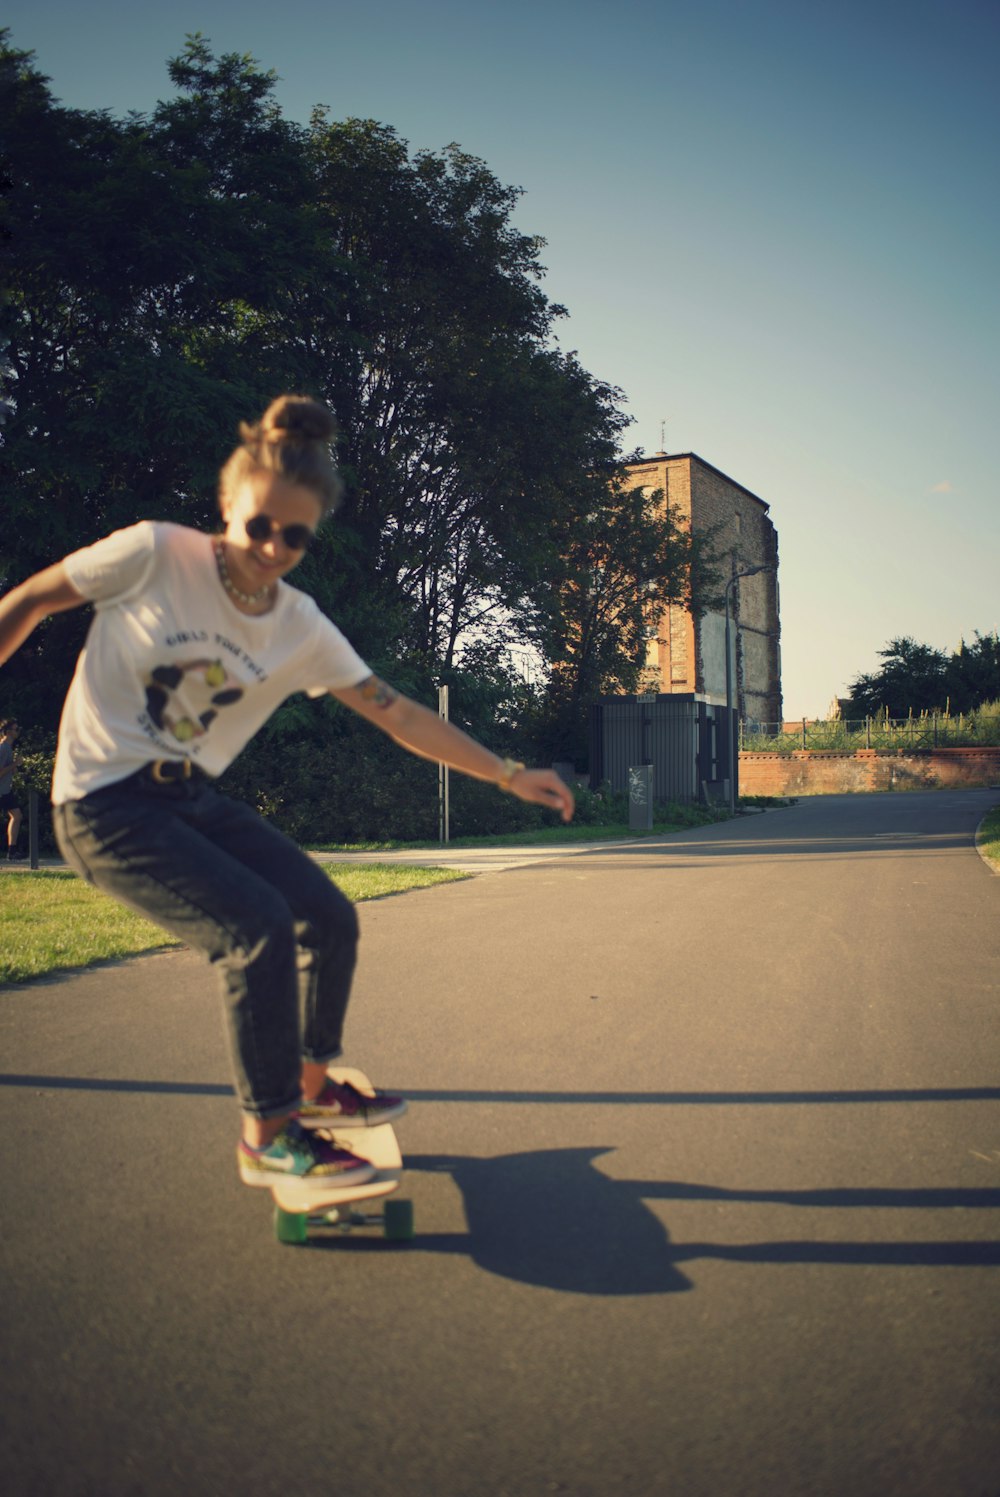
[(183, 699)]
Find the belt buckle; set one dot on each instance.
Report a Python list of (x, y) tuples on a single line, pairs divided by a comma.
[(158, 766)]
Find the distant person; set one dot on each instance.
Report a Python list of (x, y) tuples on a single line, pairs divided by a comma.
[(196, 640), (9, 734)]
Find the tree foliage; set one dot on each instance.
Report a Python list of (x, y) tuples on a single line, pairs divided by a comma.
[(170, 272), (627, 557), (467, 431), (918, 678)]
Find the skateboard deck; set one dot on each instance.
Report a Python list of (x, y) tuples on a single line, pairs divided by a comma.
[(298, 1207)]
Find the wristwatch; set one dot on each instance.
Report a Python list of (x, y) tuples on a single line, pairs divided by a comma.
[(511, 767)]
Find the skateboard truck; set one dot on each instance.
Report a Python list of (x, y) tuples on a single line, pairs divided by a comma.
[(298, 1208), (395, 1220)]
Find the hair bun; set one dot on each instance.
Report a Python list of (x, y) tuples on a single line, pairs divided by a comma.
[(293, 439), (297, 418)]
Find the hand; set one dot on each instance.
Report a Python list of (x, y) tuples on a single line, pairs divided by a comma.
[(543, 787)]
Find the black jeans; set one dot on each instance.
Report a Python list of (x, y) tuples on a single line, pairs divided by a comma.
[(213, 873)]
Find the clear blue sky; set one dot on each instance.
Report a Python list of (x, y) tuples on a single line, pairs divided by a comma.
[(774, 223)]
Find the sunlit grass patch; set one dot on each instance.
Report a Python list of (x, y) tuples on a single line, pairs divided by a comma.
[(51, 920), (684, 817), (372, 880), (534, 837), (988, 837)]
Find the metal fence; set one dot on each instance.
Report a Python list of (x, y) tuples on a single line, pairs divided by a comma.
[(928, 730), (684, 738)]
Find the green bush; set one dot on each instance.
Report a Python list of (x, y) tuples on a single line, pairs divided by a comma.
[(978, 729), (324, 776)]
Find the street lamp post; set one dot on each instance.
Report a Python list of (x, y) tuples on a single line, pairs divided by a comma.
[(733, 740)]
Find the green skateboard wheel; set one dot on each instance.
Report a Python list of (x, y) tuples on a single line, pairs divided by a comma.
[(290, 1226)]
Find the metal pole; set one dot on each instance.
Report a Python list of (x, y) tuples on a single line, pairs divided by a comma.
[(729, 704), (443, 787)]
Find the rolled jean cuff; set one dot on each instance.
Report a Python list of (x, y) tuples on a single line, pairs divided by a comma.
[(325, 1059), (265, 1113)]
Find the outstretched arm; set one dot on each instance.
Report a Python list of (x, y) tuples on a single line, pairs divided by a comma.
[(428, 736), (24, 607)]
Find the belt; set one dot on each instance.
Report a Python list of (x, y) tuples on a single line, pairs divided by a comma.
[(171, 771)]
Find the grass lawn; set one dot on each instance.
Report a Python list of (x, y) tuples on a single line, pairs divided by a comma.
[(540, 837), (988, 837), (51, 919)]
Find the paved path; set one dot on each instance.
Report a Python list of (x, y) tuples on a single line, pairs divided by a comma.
[(463, 859), (705, 1155), (474, 859)]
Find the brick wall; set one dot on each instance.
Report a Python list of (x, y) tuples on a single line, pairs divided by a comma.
[(689, 654), (672, 656), (814, 772)]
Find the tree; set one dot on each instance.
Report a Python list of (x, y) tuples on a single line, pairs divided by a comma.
[(626, 560), (134, 249), (145, 257), (918, 678), (972, 676), (171, 272), (911, 680), (466, 432)]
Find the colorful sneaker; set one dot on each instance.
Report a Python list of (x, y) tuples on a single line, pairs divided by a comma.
[(296, 1155), (341, 1105)]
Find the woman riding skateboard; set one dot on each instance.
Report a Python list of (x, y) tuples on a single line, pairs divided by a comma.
[(196, 640)]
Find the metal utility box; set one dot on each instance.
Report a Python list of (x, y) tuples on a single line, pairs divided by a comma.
[(640, 798), (686, 738)]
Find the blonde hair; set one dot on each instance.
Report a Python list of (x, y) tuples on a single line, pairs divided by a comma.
[(292, 439)]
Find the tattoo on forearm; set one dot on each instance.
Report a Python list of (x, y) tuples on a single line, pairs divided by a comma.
[(378, 692)]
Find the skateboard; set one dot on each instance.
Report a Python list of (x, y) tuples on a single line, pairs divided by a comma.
[(298, 1208)]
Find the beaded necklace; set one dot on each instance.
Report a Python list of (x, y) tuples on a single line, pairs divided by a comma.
[(230, 585)]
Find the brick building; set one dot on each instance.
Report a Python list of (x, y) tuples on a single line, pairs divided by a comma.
[(688, 654)]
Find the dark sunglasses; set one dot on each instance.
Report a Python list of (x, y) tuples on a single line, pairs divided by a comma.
[(295, 537)]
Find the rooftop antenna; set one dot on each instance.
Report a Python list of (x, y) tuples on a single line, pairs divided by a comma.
[(663, 440)]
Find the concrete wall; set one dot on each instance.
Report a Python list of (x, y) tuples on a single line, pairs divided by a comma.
[(712, 640), (812, 772)]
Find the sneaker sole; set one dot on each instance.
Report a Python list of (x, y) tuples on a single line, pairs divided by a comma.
[(360, 1174), (338, 1122)]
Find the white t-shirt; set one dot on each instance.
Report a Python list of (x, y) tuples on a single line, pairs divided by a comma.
[(172, 669)]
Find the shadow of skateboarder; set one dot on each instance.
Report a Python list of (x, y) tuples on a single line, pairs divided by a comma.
[(552, 1218)]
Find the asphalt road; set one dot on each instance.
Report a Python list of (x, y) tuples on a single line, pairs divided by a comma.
[(704, 1148)]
